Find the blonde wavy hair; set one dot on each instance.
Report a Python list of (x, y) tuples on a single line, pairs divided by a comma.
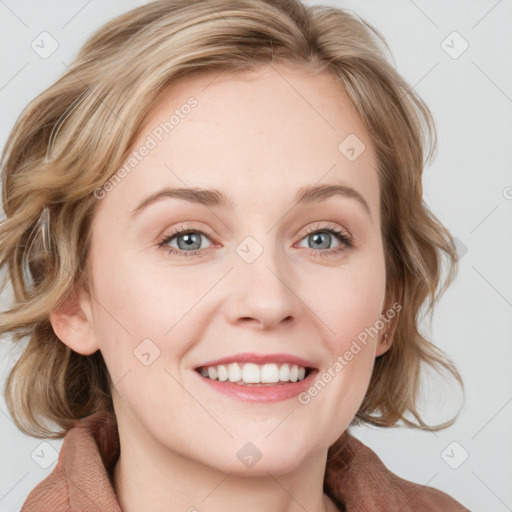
[(71, 138)]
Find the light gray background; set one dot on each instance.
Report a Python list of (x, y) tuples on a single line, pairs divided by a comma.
[(469, 187)]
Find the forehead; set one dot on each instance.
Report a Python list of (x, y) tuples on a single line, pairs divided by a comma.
[(252, 134)]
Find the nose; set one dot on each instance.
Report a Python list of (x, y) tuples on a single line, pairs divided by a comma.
[(263, 294)]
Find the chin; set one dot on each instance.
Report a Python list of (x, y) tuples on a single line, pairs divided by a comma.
[(259, 459)]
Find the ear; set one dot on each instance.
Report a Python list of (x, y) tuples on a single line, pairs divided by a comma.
[(72, 323), (391, 307)]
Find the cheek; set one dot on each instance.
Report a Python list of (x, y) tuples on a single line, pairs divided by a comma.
[(354, 326), (141, 300), (350, 310), (137, 313), (352, 303)]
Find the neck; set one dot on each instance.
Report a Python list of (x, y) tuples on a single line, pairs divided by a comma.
[(151, 477)]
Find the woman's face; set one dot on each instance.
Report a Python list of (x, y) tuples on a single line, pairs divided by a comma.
[(256, 273)]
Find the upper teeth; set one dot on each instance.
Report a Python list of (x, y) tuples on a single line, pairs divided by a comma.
[(252, 373)]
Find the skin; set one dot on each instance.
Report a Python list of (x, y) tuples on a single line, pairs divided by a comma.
[(258, 137)]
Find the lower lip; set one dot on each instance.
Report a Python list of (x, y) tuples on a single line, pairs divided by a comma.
[(264, 393)]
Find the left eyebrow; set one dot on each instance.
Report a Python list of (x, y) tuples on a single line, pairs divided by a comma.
[(215, 198), (317, 193)]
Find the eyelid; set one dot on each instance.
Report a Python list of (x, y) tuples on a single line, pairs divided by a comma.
[(328, 225), (342, 234), (183, 229)]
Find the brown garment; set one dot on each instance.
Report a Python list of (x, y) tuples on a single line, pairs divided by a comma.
[(82, 478)]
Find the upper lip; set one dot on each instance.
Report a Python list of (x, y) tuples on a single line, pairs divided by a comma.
[(250, 357)]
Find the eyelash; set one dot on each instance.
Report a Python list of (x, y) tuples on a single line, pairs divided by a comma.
[(346, 242)]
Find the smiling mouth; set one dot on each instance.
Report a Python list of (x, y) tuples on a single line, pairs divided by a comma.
[(256, 375)]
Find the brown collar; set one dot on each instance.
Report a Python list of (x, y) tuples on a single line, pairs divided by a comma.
[(355, 478)]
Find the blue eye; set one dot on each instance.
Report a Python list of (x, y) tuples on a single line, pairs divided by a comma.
[(326, 234), (189, 241)]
